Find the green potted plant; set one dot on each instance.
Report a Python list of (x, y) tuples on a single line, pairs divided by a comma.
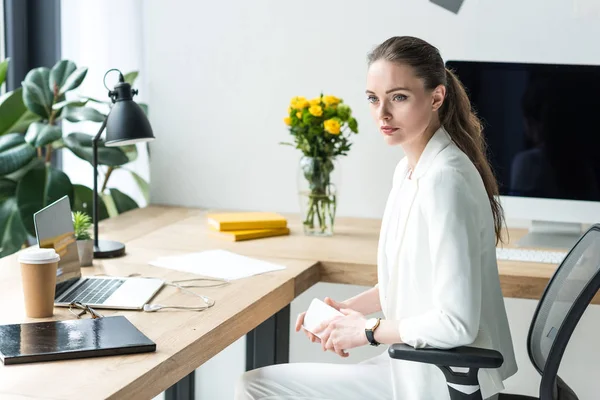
[(31, 133), (85, 244)]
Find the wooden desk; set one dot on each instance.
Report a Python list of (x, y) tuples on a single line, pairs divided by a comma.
[(350, 256), (185, 340)]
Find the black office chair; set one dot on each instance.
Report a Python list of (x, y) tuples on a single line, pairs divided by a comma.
[(571, 289)]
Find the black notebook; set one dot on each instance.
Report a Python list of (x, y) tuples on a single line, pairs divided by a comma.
[(63, 340)]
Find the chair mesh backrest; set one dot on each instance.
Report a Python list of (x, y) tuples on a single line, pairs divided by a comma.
[(573, 275)]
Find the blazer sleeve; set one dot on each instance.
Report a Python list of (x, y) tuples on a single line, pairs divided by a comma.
[(454, 244)]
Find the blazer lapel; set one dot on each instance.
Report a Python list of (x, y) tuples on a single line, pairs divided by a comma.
[(438, 142), (405, 199)]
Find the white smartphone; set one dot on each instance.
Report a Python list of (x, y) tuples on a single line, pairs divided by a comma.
[(317, 312)]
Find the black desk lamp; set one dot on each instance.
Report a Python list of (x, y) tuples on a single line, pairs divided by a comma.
[(126, 123)]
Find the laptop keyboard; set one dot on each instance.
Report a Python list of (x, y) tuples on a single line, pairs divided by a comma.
[(93, 291)]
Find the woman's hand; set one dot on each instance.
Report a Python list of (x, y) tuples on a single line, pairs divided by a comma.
[(338, 306), (300, 320), (343, 333)]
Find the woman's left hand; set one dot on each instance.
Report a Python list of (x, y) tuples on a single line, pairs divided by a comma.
[(344, 332)]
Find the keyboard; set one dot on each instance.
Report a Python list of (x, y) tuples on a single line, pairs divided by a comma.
[(94, 291), (528, 255)]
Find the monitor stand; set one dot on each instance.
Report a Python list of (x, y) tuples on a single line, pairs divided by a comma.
[(558, 235)]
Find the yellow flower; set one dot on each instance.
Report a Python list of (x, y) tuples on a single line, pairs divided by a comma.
[(331, 100), (332, 126), (289, 110), (299, 114), (315, 102), (287, 120), (299, 102), (317, 111)]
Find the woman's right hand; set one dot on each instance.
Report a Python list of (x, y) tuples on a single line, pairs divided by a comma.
[(300, 319), (299, 323), (330, 302)]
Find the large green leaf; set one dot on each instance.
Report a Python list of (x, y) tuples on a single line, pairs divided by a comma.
[(84, 198), (3, 69), (110, 205), (21, 172), (66, 76), (40, 134), (122, 202), (41, 186), (95, 100), (81, 145), (70, 103), (130, 77), (8, 188), (12, 231), (23, 123), (59, 74), (131, 151), (15, 153), (12, 109), (143, 185), (37, 95), (78, 114), (58, 144)]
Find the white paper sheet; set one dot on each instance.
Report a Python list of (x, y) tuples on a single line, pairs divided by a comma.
[(218, 263)]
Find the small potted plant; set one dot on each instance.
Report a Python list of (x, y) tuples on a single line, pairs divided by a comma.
[(85, 244)]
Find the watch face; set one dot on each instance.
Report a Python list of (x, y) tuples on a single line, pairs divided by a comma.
[(371, 322)]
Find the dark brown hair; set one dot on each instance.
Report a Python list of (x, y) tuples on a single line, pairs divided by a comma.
[(456, 114)]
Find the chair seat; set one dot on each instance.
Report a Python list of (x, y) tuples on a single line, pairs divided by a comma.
[(508, 396)]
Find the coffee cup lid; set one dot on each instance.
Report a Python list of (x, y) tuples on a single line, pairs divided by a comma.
[(38, 256)]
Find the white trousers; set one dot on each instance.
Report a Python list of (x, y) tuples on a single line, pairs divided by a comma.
[(370, 379)]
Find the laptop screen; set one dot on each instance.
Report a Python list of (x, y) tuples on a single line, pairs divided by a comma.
[(54, 229)]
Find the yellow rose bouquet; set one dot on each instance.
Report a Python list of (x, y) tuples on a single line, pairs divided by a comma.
[(321, 129)]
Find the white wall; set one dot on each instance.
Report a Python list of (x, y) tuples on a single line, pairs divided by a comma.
[(220, 76)]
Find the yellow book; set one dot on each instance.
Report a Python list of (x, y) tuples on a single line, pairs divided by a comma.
[(246, 234), (235, 221)]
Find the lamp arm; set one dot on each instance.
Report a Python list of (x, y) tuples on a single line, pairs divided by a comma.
[(95, 166)]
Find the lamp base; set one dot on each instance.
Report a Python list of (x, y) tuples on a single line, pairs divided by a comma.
[(109, 249)]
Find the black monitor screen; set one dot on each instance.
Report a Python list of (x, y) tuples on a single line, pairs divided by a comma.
[(541, 126)]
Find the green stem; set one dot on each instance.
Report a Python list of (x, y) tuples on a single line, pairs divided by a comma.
[(319, 216), (108, 172), (48, 153), (308, 221)]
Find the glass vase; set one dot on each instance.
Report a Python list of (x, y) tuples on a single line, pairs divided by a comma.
[(317, 191)]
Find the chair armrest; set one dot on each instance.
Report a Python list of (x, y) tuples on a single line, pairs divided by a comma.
[(469, 357)]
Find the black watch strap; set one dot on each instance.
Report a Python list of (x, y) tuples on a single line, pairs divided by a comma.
[(371, 337)]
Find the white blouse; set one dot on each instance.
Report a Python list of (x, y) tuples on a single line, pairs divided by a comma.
[(437, 269)]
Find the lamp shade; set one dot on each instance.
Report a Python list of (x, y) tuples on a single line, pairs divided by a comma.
[(126, 123)]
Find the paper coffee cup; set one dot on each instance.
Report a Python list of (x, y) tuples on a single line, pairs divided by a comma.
[(38, 273)]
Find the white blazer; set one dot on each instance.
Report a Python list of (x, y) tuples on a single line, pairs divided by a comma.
[(437, 269)]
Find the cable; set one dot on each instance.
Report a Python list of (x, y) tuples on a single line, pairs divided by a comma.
[(207, 300)]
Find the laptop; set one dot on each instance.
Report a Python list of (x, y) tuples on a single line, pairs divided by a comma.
[(54, 229)]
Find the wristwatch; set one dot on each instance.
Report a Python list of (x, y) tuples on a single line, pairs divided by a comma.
[(370, 326)]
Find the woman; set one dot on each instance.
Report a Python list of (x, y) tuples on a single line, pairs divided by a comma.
[(438, 281)]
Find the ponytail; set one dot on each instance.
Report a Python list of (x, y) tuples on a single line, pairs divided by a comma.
[(465, 129)]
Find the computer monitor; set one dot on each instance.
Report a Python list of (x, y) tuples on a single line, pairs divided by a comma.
[(540, 122)]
